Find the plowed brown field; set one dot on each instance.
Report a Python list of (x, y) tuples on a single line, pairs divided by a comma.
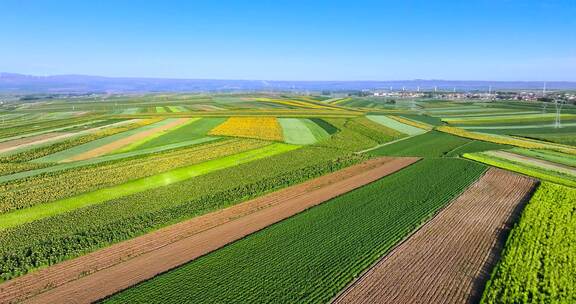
[(448, 259), (104, 272)]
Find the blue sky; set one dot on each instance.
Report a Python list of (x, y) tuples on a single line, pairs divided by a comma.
[(292, 40)]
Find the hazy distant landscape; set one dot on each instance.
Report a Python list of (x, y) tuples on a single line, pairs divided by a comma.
[(17, 83)]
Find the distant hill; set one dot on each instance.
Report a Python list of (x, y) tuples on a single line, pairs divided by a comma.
[(18, 83)]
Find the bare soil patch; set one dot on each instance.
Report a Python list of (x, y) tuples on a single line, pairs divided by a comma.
[(107, 271), (449, 258)]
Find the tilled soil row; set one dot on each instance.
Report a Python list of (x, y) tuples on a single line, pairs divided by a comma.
[(449, 258), (122, 265)]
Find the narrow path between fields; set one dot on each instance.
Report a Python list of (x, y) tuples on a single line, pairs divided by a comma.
[(449, 258), (110, 270)]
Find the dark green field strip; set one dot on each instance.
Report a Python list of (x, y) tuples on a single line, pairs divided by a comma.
[(476, 146), (30, 192), (308, 258), (330, 129), (434, 121), (431, 144), (539, 260), (194, 130), (50, 240)]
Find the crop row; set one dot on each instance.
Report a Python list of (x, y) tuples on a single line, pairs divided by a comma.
[(67, 235), (539, 260), (32, 191), (313, 255)]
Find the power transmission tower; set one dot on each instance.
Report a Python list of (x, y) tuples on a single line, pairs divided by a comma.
[(558, 104)]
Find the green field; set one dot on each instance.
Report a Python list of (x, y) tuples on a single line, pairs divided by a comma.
[(316, 257), (431, 144), (539, 260), (296, 131)]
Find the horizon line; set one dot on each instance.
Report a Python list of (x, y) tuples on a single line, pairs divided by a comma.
[(279, 80)]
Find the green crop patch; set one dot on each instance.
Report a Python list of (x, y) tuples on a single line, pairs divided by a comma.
[(313, 255), (476, 146), (330, 129), (296, 131), (539, 261), (431, 144)]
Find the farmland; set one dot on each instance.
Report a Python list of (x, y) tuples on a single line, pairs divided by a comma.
[(379, 220), (418, 269), (539, 261), (168, 197)]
